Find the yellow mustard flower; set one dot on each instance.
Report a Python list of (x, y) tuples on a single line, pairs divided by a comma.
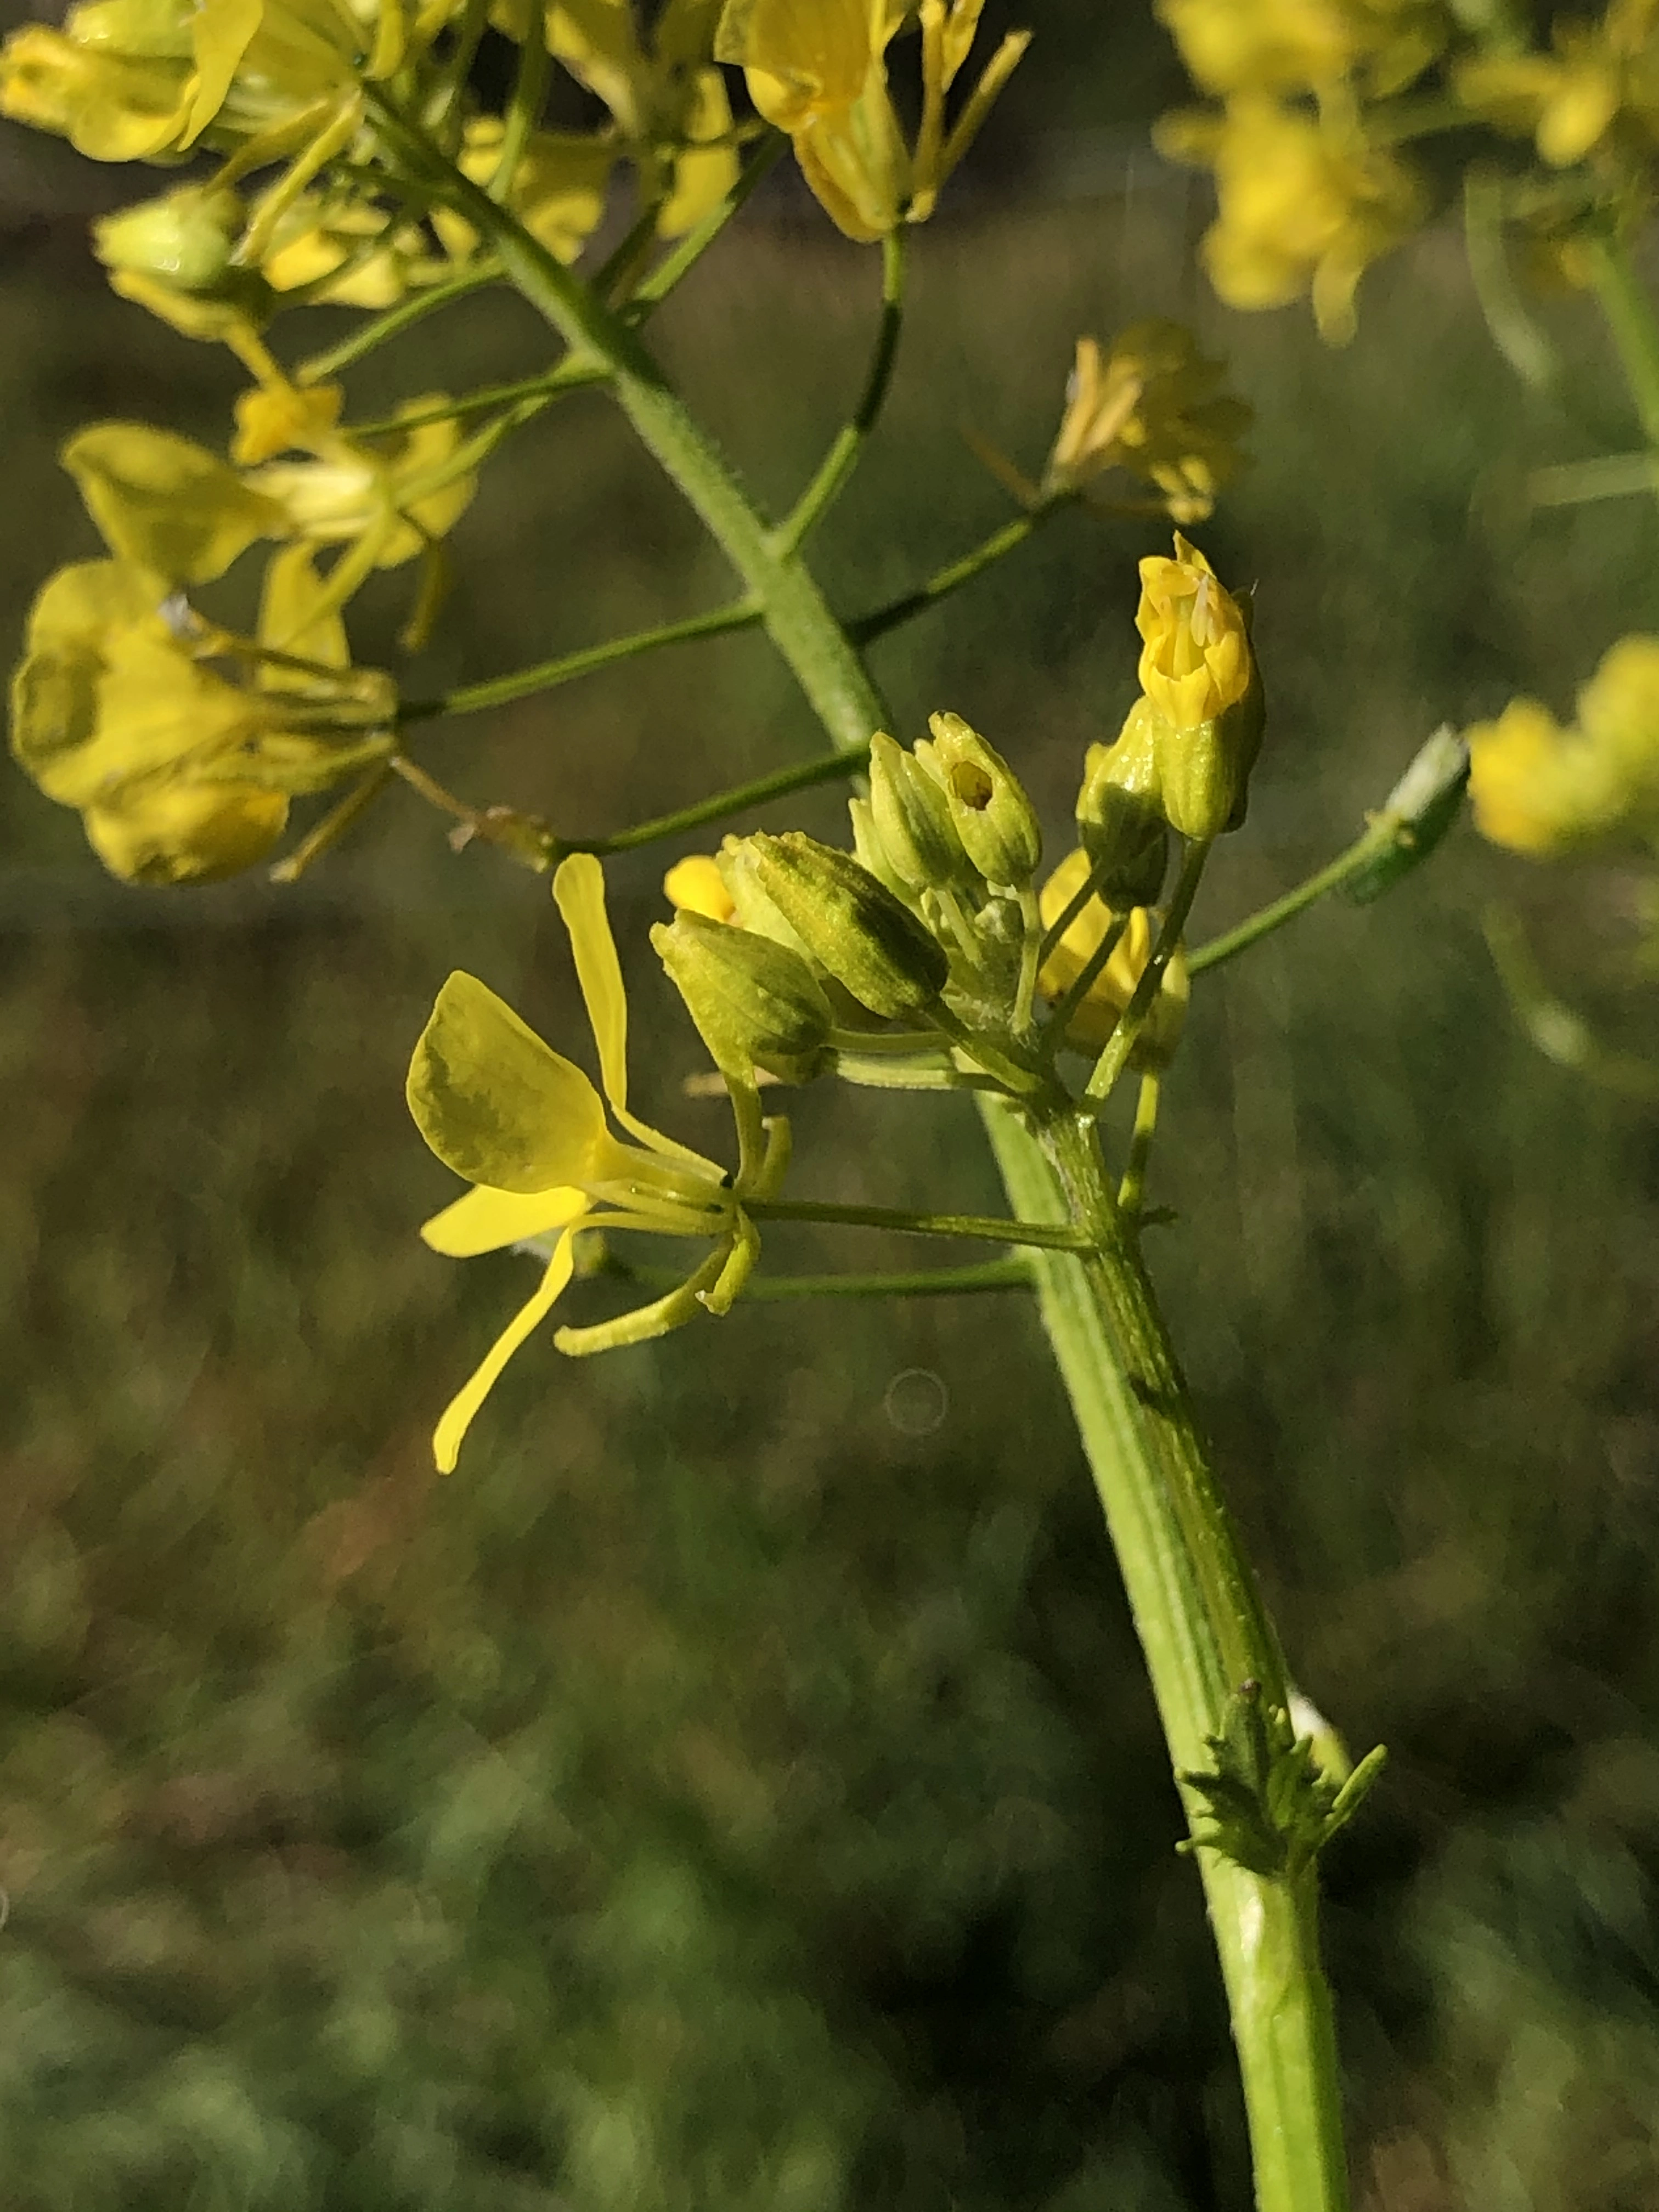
[(1543, 790), (668, 104), (1097, 1013), (1232, 46), (1306, 205), (529, 1130), (124, 699), (820, 73), (1149, 404), (1566, 99), (558, 190)]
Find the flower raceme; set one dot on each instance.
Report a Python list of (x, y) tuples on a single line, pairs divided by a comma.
[(819, 72), (529, 1130)]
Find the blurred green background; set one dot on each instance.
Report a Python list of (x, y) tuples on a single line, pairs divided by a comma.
[(737, 1787)]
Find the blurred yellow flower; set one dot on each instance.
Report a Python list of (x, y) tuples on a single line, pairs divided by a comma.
[(819, 72), (1150, 406), (529, 1130), (1544, 790), (1298, 45), (1306, 205)]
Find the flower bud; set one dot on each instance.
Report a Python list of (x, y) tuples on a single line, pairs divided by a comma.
[(752, 906), (184, 238), (850, 923), (869, 852), (993, 818), (911, 819), (755, 1003), (695, 885), (1198, 672), (1120, 814)]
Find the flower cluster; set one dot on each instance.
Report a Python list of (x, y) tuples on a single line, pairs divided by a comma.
[(1544, 790), (820, 73), (1316, 100)]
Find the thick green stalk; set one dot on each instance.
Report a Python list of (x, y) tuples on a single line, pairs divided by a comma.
[(1200, 1622)]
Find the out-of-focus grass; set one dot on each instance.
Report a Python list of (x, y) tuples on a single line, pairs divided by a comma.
[(720, 1794)]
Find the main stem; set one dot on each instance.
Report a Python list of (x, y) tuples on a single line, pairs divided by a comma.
[(1200, 1618)]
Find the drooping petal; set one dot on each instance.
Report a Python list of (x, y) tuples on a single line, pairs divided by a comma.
[(578, 892), (669, 1312), (457, 1415), (485, 1220), (165, 503), (498, 1105)]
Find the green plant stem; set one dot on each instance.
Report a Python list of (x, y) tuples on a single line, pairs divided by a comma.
[(1358, 856), (986, 1228), (1204, 1631), (367, 336), (1122, 1042), (1200, 1622), (690, 250), (569, 376), (1132, 1191), (1628, 312), (547, 674), (842, 457), (905, 1283), (865, 630), (826, 768)]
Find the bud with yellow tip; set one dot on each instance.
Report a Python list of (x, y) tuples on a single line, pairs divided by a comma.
[(1198, 673), (754, 1003)]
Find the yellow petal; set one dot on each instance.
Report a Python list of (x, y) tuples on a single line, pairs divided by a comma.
[(80, 602), (288, 622), (457, 1415), (164, 502), (486, 1220), (579, 891), (498, 1105), (186, 833), (695, 884), (220, 34)]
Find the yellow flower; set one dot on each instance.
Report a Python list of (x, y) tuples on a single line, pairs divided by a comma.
[(819, 72), (1195, 656), (669, 107), (1097, 1013), (527, 1128), (1566, 99), (1299, 45), (557, 191), (1150, 406), (124, 699), (1306, 205), (1543, 790)]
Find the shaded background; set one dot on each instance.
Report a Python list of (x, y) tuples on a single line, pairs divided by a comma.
[(737, 1786)]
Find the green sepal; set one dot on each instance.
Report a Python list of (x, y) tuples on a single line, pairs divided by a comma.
[(1120, 812), (755, 1003), (850, 924), (993, 818)]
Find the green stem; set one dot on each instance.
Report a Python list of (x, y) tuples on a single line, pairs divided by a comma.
[(864, 629), (795, 613), (1132, 1191), (1382, 834), (842, 457), (690, 249), (524, 109), (907, 1283), (825, 767), (569, 376), (547, 674), (1201, 1620), (1204, 1633), (1628, 312), (367, 336), (985, 1228)]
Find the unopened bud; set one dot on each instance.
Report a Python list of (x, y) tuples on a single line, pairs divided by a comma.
[(1198, 672), (994, 819), (850, 923), (184, 238), (869, 851), (1119, 815), (755, 1003), (911, 817), (1204, 772), (753, 908)]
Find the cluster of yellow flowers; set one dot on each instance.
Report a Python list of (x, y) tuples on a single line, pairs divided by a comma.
[(1150, 406), (1317, 100), (1545, 790)]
